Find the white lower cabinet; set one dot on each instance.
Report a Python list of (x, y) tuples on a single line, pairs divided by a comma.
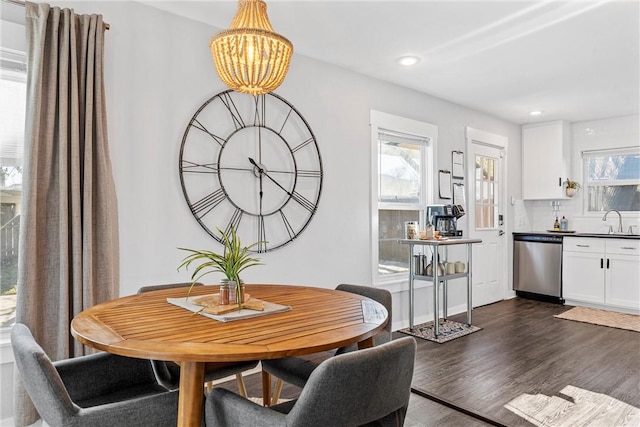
[(582, 277), (601, 271)]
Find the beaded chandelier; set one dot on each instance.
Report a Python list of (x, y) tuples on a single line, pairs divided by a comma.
[(250, 57)]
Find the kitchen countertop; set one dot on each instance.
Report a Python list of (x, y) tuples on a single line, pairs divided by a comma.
[(578, 234)]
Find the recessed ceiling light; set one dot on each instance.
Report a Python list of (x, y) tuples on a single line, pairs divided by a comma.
[(535, 113), (408, 60)]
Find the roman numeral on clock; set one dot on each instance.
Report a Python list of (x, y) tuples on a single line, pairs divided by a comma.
[(221, 141), (287, 225), (304, 202), (235, 220), (262, 235), (208, 202), (261, 112), (226, 99), (192, 167)]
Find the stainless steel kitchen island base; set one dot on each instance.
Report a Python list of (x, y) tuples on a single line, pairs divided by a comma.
[(436, 278)]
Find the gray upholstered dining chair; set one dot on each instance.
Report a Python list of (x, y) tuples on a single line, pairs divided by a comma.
[(97, 390), (296, 370), (168, 373), (366, 387)]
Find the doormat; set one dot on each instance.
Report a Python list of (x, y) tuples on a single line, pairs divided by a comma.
[(612, 319), (447, 331)]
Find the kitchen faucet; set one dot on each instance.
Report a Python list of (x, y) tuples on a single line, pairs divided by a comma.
[(604, 218)]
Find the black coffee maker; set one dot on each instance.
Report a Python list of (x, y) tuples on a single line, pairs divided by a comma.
[(444, 219)]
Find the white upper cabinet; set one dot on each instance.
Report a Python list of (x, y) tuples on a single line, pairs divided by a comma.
[(546, 160)]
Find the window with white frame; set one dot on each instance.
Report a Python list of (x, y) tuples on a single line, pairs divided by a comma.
[(612, 180), (12, 117), (402, 187)]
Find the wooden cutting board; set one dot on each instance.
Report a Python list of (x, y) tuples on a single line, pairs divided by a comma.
[(211, 304)]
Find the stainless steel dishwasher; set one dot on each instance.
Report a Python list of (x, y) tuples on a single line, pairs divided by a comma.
[(537, 266)]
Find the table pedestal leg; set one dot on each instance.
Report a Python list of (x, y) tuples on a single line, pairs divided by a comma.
[(191, 394)]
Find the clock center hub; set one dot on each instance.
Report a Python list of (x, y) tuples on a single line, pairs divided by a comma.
[(259, 170)]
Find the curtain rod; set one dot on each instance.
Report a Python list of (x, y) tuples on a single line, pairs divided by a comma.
[(22, 3)]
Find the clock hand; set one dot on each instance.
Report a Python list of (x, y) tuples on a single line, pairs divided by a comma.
[(277, 183), (253, 162), (262, 172), (261, 193)]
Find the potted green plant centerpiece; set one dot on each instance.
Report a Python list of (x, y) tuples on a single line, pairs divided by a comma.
[(572, 187), (234, 259)]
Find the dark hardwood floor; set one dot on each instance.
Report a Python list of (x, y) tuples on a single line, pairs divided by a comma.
[(521, 348)]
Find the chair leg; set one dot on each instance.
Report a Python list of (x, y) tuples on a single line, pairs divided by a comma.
[(242, 390), (276, 392), (266, 388)]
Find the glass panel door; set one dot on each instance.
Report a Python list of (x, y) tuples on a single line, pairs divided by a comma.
[(486, 194)]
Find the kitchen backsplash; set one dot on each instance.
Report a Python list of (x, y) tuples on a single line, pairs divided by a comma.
[(539, 216)]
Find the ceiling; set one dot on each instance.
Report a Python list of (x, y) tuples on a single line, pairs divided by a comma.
[(574, 60)]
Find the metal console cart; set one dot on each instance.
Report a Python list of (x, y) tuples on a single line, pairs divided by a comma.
[(436, 278)]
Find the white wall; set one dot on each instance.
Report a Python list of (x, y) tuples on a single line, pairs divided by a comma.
[(159, 71), (615, 132)]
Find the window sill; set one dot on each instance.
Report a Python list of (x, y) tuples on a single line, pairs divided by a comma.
[(397, 285)]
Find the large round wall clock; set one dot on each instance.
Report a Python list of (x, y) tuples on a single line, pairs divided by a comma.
[(251, 163)]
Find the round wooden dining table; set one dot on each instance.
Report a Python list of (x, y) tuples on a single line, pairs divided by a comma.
[(147, 326)]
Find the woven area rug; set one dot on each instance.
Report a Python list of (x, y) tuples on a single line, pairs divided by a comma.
[(612, 319), (574, 407), (448, 330)]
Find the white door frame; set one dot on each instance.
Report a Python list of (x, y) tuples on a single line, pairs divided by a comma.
[(480, 137)]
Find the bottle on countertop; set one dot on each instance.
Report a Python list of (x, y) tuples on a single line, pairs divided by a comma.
[(556, 225), (564, 224)]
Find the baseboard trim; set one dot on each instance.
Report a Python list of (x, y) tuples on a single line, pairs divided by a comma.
[(466, 411)]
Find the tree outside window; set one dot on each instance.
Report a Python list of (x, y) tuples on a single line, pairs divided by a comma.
[(612, 179)]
